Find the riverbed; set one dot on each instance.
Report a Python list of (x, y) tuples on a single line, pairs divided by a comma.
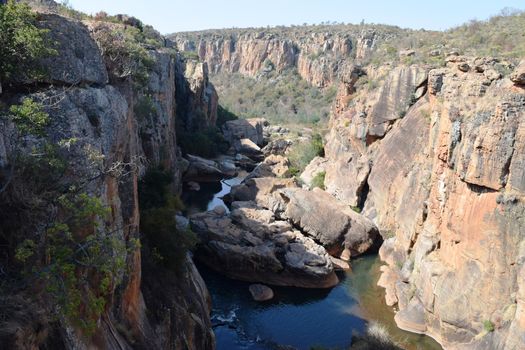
[(299, 318)]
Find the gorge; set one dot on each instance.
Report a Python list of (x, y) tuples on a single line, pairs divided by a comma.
[(127, 169)]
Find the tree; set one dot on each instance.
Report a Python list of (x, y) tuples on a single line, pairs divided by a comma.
[(21, 42)]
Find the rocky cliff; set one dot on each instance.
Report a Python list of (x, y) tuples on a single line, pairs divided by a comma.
[(435, 158), (114, 139), (317, 53)]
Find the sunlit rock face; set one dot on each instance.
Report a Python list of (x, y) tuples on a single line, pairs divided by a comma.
[(445, 185)]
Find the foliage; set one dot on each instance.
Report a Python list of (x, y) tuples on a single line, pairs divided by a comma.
[(279, 97), (488, 326), (302, 153), (168, 244), (29, 117), (55, 232), (318, 180), (224, 115), (207, 143), (144, 108), (21, 42), (81, 261), (123, 52)]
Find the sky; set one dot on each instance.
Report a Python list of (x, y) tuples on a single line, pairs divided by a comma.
[(170, 16)]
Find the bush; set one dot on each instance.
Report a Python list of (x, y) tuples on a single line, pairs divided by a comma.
[(207, 143), (224, 115), (318, 181), (167, 243), (123, 52), (488, 326), (301, 154), (21, 43)]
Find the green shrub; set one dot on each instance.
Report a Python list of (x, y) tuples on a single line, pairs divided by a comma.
[(488, 326), (207, 143), (318, 181), (145, 108), (21, 42), (301, 154), (124, 52), (224, 115), (168, 244)]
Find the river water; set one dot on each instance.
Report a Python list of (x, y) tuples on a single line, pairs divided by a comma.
[(300, 318)]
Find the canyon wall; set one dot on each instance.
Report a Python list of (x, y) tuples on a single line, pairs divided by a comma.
[(435, 158), (318, 55), (114, 144)]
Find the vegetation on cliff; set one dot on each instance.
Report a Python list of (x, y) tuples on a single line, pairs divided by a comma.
[(22, 43)]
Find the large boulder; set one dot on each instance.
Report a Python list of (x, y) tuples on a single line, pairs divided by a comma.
[(342, 231), (518, 76), (252, 129), (272, 166), (260, 189), (200, 169), (253, 246)]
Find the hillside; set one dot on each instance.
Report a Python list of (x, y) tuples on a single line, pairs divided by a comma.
[(320, 55)]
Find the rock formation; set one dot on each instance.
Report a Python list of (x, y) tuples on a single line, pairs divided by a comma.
[(315, 55), (100, 117), (444, 182)]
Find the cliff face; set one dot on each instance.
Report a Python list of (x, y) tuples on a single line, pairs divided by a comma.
[(444, 182), (103, 119), (317, 55)]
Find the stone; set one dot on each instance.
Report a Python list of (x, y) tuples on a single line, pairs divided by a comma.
[(260, 292), (518, 76), (407, 53), (329, 222), (271, 166), (464, 67), (278, 147), (200, 169), (194, 186), (247, 129), (246, 247), (340, 265), (316, 166)]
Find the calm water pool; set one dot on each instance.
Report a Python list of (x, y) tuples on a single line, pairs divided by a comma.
[(300, 318)]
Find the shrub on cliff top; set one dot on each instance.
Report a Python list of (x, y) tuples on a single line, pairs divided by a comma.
[(21, 42)]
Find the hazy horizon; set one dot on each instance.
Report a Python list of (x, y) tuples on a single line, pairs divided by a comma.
[(183, 16)]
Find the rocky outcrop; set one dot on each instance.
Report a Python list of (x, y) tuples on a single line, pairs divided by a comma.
[(197, 99), (444, 184), (518, 76), (112, 145), (251, 245)]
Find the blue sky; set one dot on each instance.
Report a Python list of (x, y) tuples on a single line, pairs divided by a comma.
[(181, 15)]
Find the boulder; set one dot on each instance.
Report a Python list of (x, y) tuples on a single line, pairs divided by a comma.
[(329, 222), (248, 247), (249, 148), (279, 146), (252, 129), (260, 189), (272, 166), (200, 169), (260, 292), (518, 76), (316, 166)]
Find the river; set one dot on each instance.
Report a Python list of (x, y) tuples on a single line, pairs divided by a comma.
[(300, 318)]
